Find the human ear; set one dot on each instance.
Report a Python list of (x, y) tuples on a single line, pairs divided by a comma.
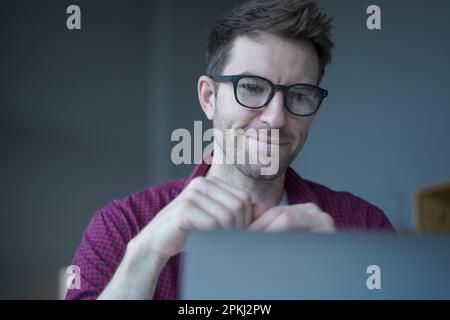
[(206, 95)]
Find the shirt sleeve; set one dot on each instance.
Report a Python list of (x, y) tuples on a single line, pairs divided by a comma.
[(100, 252), (377, 219)]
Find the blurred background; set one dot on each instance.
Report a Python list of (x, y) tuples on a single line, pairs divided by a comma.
[(86, 115)]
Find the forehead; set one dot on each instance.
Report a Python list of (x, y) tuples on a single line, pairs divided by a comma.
[(277, 58)]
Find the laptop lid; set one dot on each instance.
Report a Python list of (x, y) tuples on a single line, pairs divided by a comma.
[(295, 265)]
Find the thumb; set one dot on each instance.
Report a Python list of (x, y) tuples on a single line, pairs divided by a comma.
[(258, 210)]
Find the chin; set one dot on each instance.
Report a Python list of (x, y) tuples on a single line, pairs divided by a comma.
[(266, 167), (254, 171)]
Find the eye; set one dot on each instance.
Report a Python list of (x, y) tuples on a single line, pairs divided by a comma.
[(251, 87), (298, 97)]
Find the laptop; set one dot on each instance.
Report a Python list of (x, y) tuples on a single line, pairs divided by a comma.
[(254, 265)]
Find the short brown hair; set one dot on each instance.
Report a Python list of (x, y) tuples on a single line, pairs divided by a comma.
[(294, 19)]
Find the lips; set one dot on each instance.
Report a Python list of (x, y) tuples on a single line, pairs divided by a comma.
[(267, 140)]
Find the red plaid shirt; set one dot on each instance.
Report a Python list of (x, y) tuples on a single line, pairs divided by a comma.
[(105, 239)]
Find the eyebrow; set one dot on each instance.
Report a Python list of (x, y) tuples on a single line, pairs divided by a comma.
[(247, 73)]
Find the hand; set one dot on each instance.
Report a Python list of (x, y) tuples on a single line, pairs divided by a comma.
[(307, 216), (205, 204)]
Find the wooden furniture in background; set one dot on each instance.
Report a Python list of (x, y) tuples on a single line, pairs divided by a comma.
[(432, 208)]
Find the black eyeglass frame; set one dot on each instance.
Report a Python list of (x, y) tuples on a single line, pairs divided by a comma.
[(235, 79)]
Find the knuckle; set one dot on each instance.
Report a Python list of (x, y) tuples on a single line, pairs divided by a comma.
[(328, 220), (324, 221), (191, 194), (198, 182), (311, 207)]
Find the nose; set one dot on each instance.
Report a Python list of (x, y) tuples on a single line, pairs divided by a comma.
[(274, 113)]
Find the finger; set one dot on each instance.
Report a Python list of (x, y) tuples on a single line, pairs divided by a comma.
[(314, 221), (231, 198), (219, 194), (284, 223), (265, 219), (248, 215), (221, 213), (198, 219)]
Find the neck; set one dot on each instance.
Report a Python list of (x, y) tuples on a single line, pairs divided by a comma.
[(267, 192)]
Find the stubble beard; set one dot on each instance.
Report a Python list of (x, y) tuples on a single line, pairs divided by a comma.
[(254, 171)]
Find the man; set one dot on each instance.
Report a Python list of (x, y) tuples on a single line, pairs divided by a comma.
[(265, 63)]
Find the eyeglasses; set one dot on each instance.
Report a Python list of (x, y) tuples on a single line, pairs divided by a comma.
[(255, 92)]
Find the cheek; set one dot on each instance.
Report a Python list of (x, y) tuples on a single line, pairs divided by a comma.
[(299, 129), (229, 114)]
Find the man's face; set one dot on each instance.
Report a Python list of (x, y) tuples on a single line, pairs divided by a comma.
[(282, 61)]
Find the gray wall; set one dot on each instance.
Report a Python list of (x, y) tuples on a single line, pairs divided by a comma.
[(86, 116), (384, 129)]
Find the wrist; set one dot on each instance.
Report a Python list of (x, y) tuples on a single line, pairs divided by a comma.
[(138, 254)]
